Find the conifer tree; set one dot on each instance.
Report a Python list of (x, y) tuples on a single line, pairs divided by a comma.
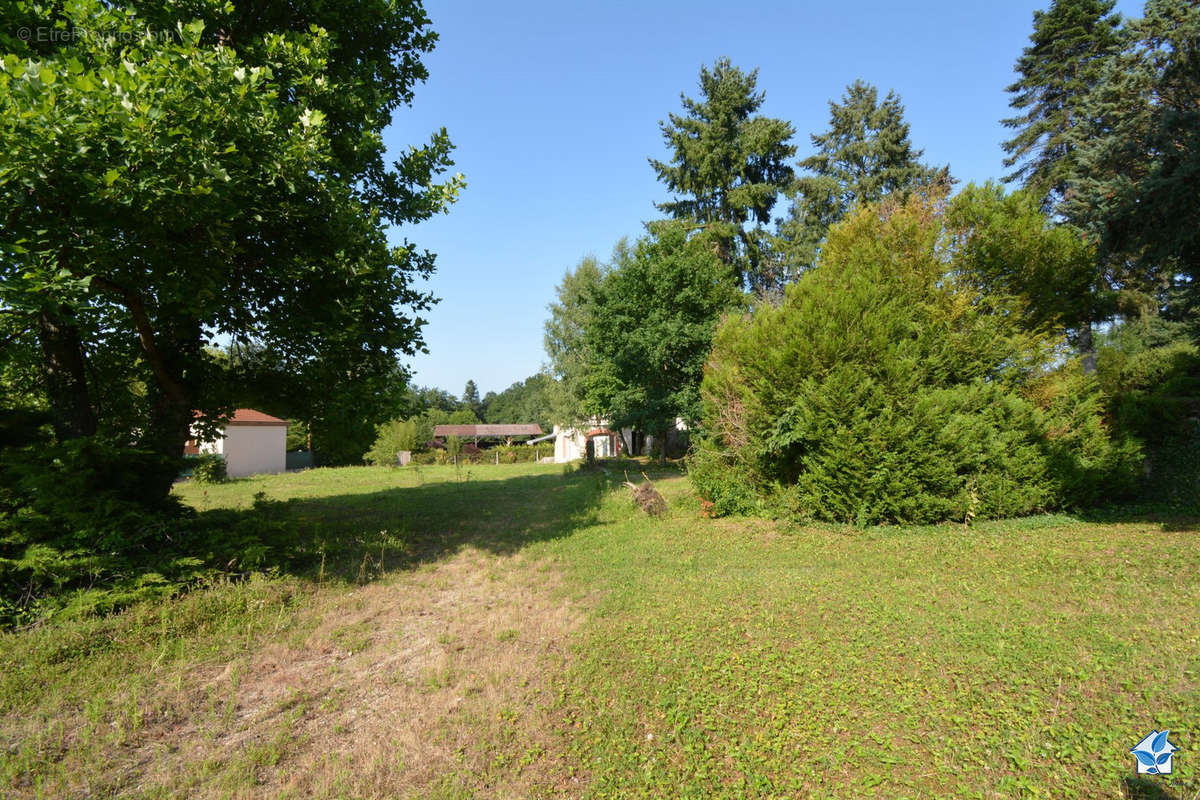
[(728, 164), (1060, 66), (470, 399), (899, 381), (1133, 188), (865, 155)]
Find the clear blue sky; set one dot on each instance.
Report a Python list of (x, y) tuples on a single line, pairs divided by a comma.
[(554, 109)]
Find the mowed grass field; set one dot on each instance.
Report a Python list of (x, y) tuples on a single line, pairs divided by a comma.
[(526, 631)]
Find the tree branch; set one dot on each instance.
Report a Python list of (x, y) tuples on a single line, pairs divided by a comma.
[(132, 300)]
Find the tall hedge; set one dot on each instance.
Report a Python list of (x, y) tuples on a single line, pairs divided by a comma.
[(889, 386)]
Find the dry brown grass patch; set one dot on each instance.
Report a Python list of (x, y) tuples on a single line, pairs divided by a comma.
[(435, 682)]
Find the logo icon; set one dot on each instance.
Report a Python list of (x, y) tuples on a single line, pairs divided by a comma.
[(1154, 754)]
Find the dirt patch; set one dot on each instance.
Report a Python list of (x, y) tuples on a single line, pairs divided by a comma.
[(436, 682)]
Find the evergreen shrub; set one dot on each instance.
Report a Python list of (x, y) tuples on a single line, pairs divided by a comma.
[(888, 388)]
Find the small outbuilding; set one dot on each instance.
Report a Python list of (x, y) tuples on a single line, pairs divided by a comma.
[(572, 444), (251, 443), (595, 434)]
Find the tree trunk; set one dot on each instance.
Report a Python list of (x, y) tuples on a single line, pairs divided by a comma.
[(172, 354), (1087, 349), (66, 376), (662, 447), (166, 433), (172, 413)]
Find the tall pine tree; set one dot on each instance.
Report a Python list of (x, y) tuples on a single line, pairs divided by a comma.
[(1060, 66), (728, 165), (865, 155), (470, 399), (1134, 186)]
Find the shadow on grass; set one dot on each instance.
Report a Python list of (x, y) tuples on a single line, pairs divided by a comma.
[(346, 535), (1145, 789), (1169, 518), (358, 536)]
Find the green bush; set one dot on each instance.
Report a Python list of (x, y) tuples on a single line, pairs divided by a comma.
[(78, 538), (721, 481), (297, 435), (1173, 474), (889, 388), (431, 457), (74, 515), (516, 453), (1150, 368), (209, 468), (390, 439), (508, 454)]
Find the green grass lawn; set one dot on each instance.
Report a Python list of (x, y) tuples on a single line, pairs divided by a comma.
[(526, 631)]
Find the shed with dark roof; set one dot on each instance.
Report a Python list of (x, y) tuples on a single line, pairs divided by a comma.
[(477, 432)]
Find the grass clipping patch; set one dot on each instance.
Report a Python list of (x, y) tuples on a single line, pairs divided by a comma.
[(647, 497)]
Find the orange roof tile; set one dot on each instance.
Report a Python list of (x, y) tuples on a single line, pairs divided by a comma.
[(248, 416)]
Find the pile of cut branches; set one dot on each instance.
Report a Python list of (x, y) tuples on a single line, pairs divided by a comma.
[(647, 497)]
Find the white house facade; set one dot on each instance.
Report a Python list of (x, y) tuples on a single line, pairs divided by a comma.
[(570, 444), (251, 443)]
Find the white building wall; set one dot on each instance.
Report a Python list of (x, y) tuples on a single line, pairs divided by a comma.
[(254, 449), (251, 449), (568, 444)]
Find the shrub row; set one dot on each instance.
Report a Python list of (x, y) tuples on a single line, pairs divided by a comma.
[(506, 454)]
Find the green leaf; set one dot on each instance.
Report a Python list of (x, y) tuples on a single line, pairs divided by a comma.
[(311, 117)]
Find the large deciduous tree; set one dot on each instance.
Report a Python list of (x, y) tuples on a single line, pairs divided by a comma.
[(530, 400), (728, 166), (865, 156), (650, 326), (172, 176), (570, 315)]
